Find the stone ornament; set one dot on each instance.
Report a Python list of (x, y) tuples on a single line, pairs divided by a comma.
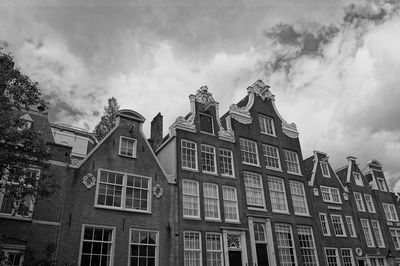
[(89, 181), (158, 191), (345, 196), (316, 192), (359, 251)]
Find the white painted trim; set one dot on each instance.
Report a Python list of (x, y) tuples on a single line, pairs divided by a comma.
[(134, 152), (57, 163), (157, 243), (46, 222)]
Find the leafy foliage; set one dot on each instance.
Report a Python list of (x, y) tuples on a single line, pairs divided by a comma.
[(21, 144), (107, 121)]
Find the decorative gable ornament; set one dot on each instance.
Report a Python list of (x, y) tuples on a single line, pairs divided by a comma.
[(359, 251), (259, 88), (345, 196), (204, 97), (316, 192), (158, 191), (89, 181)]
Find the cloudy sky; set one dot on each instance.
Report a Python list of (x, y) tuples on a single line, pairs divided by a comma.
[(333, 65)]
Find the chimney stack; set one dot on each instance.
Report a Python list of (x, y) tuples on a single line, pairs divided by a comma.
[(156, 131)]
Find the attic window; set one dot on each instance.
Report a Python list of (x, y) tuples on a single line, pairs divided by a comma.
[(358, 180), (325, 169), (206, 123), (127, 147), (381, 184)]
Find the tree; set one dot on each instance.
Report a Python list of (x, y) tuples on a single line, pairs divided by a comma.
[(21, 145), (107, 121)]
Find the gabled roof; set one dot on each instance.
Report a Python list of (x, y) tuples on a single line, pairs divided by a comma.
[(308, 167), (342, 174)]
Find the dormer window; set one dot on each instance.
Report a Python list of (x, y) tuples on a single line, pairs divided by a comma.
[(266, 125), (127, 147), (381, 184), (325, 169), (206, 123), (358, 179)]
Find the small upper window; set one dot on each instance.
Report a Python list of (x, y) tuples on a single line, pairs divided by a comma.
[(206, 123), (358, 179), (266, 125), (127, 147), (381, 184), (325, 169)]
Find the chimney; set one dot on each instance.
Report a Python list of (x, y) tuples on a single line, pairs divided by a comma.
[(156, 131)]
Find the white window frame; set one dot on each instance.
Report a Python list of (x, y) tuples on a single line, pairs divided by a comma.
[(340, 223), (185, 167), (252, 186), (263, 122), (350, 226), (213, 161), (370, 203), (157, 245), (267, 153), (223, 161), (390, 212), (186, 249), (277, 192), (297, 195), (369, 239), (336, 255), (112, 241), (212, 124), (186, 194), (288, 155), (395, 233), (358, 179), (351, 256), (324, 224), (325, 169), (244, 152), (381, 184), (215, 251), (376, 229), (308, 231), (359, 201), (208, 196), (329, 192), (292, 246), (14, 214), (124, 186), (134, 147), (226, 201), (13, 250)]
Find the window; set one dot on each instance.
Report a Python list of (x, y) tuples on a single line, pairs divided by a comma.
[(14, 256), (206, 123), (325, 169), (96, 245), (332, 257), (307, 245), (292, 162), (11, 206), (254, 189), (230, 204), (143, 248), (189, 154), (266, 125), (395, 233), (285, 244), (214, 249), (370, 203), (249, 152), (298, 197), (127, 147), (259, 233), (123, 191), (350, 226), (390, 212), (190, 198), (347, 257), (208, 160), (192, 248), (367, 233), (330, 194), (226, 162), (381, 184), (324, 224), (376, 228), (277, 194), (337, 224), (358, 179), (359, 201), (211, 201), (271, 157)]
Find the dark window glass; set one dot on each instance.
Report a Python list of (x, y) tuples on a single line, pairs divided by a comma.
[(206, 123)]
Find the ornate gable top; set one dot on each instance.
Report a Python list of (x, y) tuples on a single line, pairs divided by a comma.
[(203, 96), (259, 88)]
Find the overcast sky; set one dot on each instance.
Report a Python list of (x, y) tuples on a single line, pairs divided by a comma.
[(334, 66)]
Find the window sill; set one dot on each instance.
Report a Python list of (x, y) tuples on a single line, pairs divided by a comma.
[(266, 134), (302, 214), (340, 236), (190, 169), (281, 212), (192, 218), (14, 217), (274, 169), (119, 209), (213, 220), (209, 173), (232, 222), (255, 165), (126, 156), (298, 174), (228, 176), (257, 209)]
